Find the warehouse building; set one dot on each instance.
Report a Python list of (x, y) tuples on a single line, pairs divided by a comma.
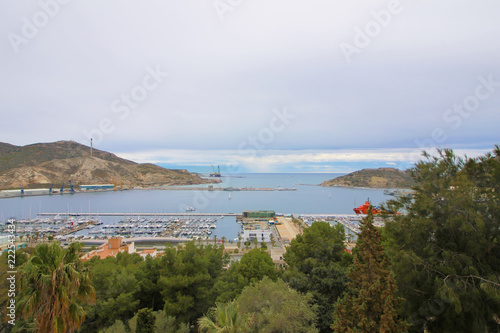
[(96, 187)]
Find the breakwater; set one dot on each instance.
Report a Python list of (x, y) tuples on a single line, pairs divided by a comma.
[(66, 214)]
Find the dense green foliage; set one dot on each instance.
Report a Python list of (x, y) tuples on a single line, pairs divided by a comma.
[(370, 305), (446, 250), (187, 277), (20, 259), (163, 324), (53, 287), (117, 288), (275, 307), (254, 266), (179, 282), (318, 264), (145, 321), (224, 318)]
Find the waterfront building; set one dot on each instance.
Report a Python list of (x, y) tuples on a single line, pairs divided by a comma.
[(261, 215), (96, 187), (111, 248)]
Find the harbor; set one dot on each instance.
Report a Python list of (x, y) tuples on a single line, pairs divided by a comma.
[(53, 214), (186, 226), (20, 193), (63, 228), (68, 214)]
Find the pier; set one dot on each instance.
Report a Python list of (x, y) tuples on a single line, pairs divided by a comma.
[(46, 191), (229, 189), (66, 214)]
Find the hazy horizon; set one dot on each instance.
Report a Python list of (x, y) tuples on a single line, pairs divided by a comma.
[(281, 86)]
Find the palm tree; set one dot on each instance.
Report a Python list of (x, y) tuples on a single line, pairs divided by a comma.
[(54, 285), (225, 318)]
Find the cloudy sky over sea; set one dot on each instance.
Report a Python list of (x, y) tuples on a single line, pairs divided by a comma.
[(267, 86)]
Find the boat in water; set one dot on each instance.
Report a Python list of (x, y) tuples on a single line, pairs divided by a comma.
[(363, 209), (190, 209)]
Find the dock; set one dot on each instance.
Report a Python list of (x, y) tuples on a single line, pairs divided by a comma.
[(230, 189), (66, 214)]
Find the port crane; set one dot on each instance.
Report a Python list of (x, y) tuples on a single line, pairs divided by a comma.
[(71, 188), (215, 173), (61, 190)]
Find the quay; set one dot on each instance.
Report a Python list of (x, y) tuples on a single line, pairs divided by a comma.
[(66, 214), (230, 189), (110, 188)]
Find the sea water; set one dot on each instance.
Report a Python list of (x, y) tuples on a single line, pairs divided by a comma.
[(308, 198)]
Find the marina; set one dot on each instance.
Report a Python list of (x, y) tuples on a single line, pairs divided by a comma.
[(186, 226), (78, 227), (111, 207), (136, 214)]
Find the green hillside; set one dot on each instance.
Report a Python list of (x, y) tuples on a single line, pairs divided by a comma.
[(373, 178), (31, 155), (42, 164)]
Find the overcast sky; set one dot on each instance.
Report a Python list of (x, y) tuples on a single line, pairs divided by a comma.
[(268, 86)]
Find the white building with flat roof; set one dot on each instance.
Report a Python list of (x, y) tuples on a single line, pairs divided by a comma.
[(261, 235)]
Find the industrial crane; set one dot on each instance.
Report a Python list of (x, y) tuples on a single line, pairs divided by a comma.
[(72, 188), (216, 173)]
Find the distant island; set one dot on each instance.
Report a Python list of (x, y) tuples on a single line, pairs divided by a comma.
[(42, 164), (373, 178)]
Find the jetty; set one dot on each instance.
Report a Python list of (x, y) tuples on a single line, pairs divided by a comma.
[(67, 214), (213, 188)]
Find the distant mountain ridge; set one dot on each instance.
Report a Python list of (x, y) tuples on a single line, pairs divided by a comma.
[(42, 164), (373, 178)]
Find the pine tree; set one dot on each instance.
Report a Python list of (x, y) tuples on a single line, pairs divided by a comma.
[(145, 321), (371, 302), (318, 264), (445, 250)]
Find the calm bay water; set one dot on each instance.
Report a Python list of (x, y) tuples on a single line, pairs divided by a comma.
[(309, 198)]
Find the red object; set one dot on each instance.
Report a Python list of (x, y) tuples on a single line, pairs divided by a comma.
[(363, 209)]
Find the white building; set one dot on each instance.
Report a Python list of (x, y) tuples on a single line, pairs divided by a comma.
[(261, 235), (148, 252)]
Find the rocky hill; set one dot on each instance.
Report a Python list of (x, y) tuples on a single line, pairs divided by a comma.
[(374, 178), (40, 165)]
